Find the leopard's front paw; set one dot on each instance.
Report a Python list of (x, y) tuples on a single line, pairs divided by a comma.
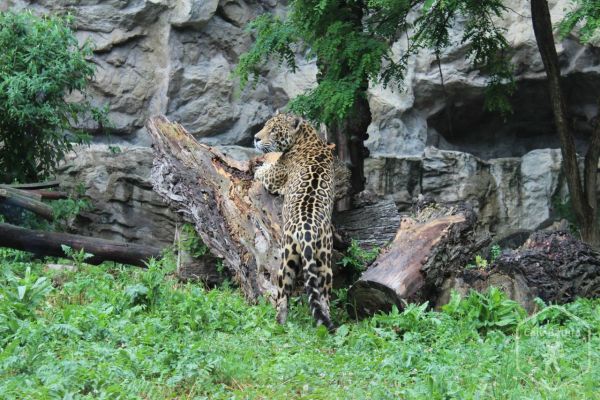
[(261, 172)]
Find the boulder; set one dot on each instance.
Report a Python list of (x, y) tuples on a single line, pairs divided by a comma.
[(509, 194)]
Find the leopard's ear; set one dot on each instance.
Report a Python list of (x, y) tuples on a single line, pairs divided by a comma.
[(277, 112), (297, 122)]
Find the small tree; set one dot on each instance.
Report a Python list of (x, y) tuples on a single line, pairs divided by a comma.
[(584, 198), (40, 63)]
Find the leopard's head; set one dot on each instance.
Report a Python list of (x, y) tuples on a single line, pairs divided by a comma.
[(278, 134)]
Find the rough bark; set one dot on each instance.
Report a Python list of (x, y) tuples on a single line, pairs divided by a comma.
[(50, 195), (551, 265), (370, 225), (27, 201), (233, 215), (583, 198), (349, 137), (50, 244), (425, 251)]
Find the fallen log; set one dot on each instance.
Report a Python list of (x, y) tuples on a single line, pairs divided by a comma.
[(19, 192), (36, 185), (437, 239), (14, 198), (50, 195), (373, 224), (50, 244)]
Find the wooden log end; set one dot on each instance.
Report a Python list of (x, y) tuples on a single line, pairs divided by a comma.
[(368, 297)]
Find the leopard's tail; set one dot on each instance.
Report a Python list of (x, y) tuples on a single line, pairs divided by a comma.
[(318, 307)]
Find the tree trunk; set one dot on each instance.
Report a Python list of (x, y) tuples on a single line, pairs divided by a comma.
[(371, 225), (234, 216), (427, 248), (50, 244), (584, 209), (349, 137)]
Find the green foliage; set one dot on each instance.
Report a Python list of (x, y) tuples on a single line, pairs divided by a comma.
[(98, 336), (192, 243), (489, 311), (495, 252), (586, 15), (481, 262), (40, 63), (351, 42), (487, 46), (78, 257), (564, 210), (23, 295), (65, 210), (356, 259)]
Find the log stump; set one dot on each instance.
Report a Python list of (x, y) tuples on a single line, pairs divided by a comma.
[(428, 246), (551, 265)]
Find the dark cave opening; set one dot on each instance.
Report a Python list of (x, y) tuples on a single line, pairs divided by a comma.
[(468, 126)]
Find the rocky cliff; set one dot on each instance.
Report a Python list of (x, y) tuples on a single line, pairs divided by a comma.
[(175, 57)]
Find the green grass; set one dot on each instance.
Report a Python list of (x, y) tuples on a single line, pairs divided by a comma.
[(111, 332)]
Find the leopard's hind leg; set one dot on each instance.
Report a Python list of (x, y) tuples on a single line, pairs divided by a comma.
[(316, 271), (286, 277)]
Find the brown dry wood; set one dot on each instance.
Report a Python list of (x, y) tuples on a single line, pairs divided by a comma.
[(435, 239), (233, 215), (13, 197), (556, 267), (50, 244), (49, 195), (551, 265)]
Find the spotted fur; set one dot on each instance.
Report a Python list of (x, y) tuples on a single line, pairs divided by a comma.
[(304, 175)]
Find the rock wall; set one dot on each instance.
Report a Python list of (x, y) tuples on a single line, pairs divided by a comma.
[(509, 193), (175, 57), (117, 182)]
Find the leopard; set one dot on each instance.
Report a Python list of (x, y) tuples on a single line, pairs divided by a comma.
[(304, 176)]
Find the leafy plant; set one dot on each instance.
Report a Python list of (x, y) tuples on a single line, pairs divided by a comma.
[(40, 64), (356, 259), (22, 295), (191, 242), (564, 210), (486, 311), (114, 149), (495, 252), (64, 210), (352, 44), (586, 15), (86, 339), (481, 262), (78, 257)]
